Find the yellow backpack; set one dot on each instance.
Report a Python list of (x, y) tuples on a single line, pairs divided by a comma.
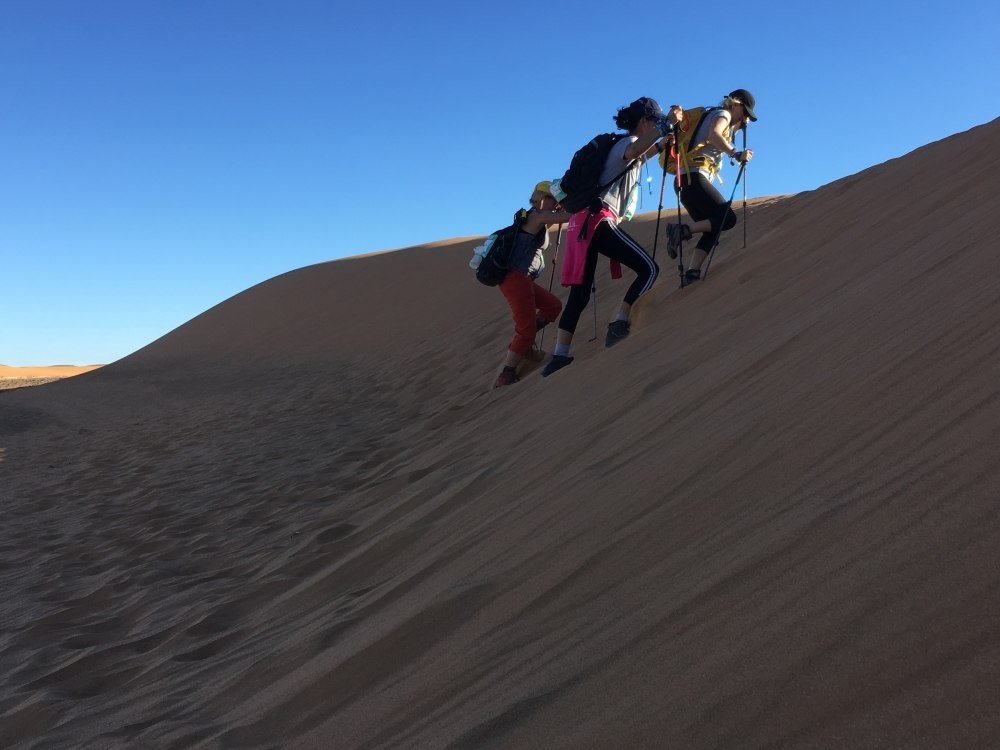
[(687, 152)]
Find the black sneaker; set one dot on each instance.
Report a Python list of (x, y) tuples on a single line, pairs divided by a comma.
[(692, 275), (557, 362), (617, 331)]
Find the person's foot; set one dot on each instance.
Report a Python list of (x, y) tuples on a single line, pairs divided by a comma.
[(676, 233), (557, 362), (692, 275), (618, 330), (507, 377)]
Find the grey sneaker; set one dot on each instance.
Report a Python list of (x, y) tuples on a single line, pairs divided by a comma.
[(618, 330), (676, 233), (557, 362)]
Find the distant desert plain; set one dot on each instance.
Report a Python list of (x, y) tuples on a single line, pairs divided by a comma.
[(20, 377)]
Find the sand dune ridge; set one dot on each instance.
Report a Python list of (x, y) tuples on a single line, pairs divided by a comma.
[(768, 519)]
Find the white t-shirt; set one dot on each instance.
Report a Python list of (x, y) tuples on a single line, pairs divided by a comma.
[(622, 195)]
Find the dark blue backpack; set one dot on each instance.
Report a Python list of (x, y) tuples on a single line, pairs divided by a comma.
[(495, 264), (582, 182)]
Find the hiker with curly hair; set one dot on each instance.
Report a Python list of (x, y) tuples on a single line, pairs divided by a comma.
[(700, 158), (592, 232)]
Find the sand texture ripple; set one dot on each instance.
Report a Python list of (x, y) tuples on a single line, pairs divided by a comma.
[(769, 519)]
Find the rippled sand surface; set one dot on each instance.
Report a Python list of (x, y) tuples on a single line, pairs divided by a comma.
[(768, 519)]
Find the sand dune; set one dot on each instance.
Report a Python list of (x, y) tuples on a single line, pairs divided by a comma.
[(768, 519)]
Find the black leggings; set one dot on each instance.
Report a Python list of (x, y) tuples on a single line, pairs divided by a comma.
[(611, 242), (703, 201)]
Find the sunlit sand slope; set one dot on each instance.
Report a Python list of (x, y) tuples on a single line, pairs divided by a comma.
[(19, 377), (768, 519)]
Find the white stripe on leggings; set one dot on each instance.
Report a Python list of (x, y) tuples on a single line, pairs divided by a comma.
[(638, 248)]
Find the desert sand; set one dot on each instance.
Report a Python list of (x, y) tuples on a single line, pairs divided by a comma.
[(767, 520), (20, 377)]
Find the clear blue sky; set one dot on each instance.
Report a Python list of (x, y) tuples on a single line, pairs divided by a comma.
[(159, 157)]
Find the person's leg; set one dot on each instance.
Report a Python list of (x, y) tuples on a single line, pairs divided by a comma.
[(547, 309), (546, 303), (579, 296), (701, 198), (697, 210), (615, 243), (517, 288)]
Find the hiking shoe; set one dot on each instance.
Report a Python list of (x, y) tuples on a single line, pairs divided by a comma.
[(676, 233), (557, 362), (617, 331), (692, 275), (507, 377)]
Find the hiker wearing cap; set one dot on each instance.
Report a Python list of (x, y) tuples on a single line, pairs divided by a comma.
[(699, 163), (532, 305), (592, 232)]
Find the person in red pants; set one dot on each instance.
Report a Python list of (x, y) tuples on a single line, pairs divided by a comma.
[(532, 305)]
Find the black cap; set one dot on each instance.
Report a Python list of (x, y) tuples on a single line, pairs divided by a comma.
[(646, 107), (745, 98)]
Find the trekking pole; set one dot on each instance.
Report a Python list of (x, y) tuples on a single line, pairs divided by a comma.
[(680, 245), (745, 190), (725, 215), (555, 256), (593, 291), (656, 233), (552, 276)]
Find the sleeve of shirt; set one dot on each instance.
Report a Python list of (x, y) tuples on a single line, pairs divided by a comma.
[(724, 114), (618, 150)]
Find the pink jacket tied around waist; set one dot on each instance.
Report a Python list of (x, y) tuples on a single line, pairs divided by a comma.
[(575, 255)]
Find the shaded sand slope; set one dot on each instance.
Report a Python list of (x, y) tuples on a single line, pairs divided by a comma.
[(768, 519)]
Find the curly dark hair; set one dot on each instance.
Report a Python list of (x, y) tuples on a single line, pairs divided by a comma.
[(627, 118)]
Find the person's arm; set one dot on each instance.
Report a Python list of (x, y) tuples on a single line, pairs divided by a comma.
[(642, 144), (658, 143), (538, 219), (661, 145), (717, 137)]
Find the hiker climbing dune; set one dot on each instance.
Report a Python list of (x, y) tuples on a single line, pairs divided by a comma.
[(601, 188), (512, 259), (703, 140)]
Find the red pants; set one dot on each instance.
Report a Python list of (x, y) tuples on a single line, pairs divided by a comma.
[(525, 297)]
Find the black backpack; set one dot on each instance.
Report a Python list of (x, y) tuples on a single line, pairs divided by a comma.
[(581, 183), (495, 264)]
